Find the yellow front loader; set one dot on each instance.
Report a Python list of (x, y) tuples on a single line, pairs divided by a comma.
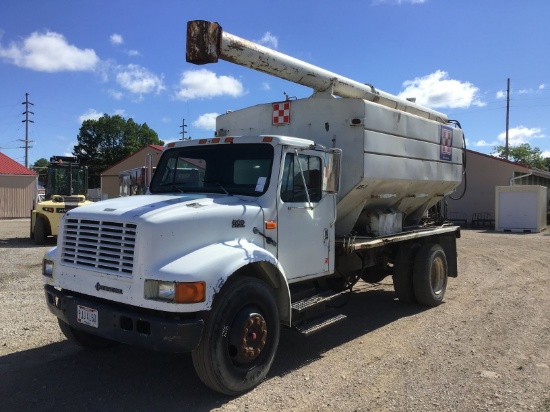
[(66, 188)]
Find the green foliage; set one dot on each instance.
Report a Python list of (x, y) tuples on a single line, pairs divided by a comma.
[(525, 155), (40, 167), (108, 140)]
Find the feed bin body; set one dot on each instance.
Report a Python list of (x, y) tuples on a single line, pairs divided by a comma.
[(394, 163)]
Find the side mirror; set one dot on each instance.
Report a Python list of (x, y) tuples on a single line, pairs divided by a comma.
[(331, 175)]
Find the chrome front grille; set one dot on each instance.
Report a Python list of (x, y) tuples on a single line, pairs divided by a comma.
[(104, 246)]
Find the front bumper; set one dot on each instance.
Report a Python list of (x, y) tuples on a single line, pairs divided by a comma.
[(122, 323)]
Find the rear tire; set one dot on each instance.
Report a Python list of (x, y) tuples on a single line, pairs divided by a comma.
[(84, 339), (403, 272), (240, 338), (430, 275), (40, 230)]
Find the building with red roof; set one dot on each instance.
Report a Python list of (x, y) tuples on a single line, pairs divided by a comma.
[(17, 189)]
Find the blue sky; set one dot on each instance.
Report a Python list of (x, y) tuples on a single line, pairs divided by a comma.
[(80, 59)]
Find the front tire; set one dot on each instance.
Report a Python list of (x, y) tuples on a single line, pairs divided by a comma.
[(84, 339), (240, 338), (430, 275)]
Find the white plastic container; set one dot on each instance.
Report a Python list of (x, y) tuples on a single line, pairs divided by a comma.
[(520, 208)]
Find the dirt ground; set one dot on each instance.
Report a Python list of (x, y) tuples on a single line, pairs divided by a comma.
[(487, 348)]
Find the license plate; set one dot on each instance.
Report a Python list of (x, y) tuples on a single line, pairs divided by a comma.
[(87, 316)]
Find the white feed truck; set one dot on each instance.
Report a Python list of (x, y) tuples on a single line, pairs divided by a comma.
[(263, 225)]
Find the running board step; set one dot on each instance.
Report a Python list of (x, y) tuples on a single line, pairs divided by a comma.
[(319, 323), (315, 300)]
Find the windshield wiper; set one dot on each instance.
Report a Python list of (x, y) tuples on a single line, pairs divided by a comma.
[(178, 188), (220, 186)]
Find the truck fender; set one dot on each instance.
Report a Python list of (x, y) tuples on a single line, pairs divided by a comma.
[(217, 263)]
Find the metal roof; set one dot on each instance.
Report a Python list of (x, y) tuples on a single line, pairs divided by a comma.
[(8, 166)]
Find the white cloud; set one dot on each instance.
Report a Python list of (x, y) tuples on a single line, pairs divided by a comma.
[(166, 119), (138, 80), (203, 83), (546, 153), (542, 86), (120, 112), (116, 39), (49, 52), (91, 114), (483, 143), (436, 90), (115, 94), (501, 94), (133, 53), (269, 40), (519, 135), (266, 86), (206, 122)]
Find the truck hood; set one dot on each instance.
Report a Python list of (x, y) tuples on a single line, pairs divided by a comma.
[(170, 226), (147, 206)]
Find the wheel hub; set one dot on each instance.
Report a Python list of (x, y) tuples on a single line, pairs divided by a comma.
[(437, 278), (247, 337)]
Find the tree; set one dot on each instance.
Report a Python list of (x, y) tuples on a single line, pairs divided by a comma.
[(40, 167), (524, 154), (106, 141)]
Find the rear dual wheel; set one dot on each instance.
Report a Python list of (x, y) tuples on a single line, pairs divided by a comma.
[(240, 338), (430, 275), (421, 274)]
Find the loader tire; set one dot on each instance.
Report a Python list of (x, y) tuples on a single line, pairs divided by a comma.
[(40, 230)]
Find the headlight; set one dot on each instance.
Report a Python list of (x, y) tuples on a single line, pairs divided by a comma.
[(176, 292), (47, 268), (48, 209)]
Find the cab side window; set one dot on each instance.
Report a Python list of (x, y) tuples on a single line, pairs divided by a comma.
[(292, 186)]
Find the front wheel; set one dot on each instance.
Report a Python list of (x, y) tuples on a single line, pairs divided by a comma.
[(84, 339), (240, 338), (430, 275)]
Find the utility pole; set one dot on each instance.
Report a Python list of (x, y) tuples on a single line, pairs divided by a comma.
[(506, 148), (183, 131), (26, 121)]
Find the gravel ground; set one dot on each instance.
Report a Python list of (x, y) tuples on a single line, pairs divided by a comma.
[(487, 348)]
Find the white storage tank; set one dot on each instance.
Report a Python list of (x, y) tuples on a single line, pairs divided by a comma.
[(520, 208), (395, 165)]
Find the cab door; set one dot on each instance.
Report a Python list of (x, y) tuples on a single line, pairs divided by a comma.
[(305, 216)]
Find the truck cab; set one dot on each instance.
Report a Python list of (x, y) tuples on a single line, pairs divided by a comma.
[(263, 208)]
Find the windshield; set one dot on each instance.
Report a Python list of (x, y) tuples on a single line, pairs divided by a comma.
[(242, 169), (66, 180)]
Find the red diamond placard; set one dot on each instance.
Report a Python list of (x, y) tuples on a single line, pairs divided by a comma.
[(281, 113)]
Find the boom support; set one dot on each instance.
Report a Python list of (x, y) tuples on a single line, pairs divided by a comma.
[(207, 42)]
